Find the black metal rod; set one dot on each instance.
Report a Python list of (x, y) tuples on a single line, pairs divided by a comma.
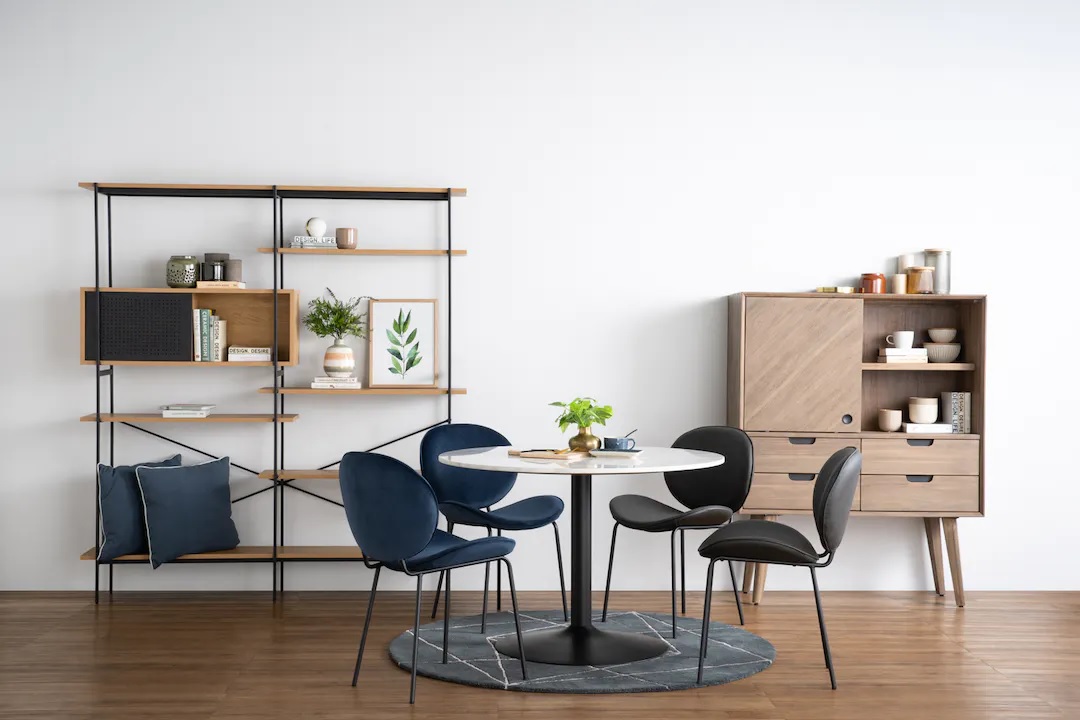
[(308, 492), (821, 624), (682, 565), (112, 375), (253, 494), (442, 574), (581, 551), (610, 564), (498, 582), (484, 606), (562, 575), (446, 622), (97, 411), (517, 618), (380, 446), (277, 390), (415, 641), (674, 616), (367, 624), (450, 308), (187, 447), (704, 650)]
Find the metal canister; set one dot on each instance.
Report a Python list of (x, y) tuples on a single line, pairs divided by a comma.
[(940, 261)]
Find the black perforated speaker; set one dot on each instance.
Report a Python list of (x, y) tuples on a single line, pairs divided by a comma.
[(140, 326)]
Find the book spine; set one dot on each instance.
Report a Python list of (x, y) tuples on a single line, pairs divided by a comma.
[(184, 414), (965, 412), (204, 326), (334, 386), (249, 358), (222, 339), (215, 339), (196, 324)]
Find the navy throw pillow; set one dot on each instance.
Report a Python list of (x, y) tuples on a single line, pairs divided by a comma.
[(188, 509), (123, 524)]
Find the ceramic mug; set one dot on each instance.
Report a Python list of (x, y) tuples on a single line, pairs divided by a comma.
[(346, 238), (901, 339), (889, 420), (619, 443), (922, 412)]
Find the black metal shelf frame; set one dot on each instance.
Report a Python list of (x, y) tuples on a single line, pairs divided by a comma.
[(278, 485)]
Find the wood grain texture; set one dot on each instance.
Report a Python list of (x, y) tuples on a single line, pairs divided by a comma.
[(776, 491), (942, 494), (897, 456), (300, 390), (933, 545), (362, 251), (918, 367), (735, 333), (872, 298), (256, 552), (803, 366), (214, 418), (312, 474), (234, 656), (780, 455), (456, 192), (952, 544)]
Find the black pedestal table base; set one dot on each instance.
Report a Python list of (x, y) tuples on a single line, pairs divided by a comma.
[(584, 646)]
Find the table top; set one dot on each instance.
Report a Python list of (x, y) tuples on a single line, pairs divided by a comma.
[(649, 460)]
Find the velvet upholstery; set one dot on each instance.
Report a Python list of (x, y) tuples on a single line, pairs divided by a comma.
[(527, 514), (446, 550), (391, 509), (123, 523), (188, 509), (474, 488)]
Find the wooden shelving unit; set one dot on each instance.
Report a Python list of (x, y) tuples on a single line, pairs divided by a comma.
[(213, 418), (919, 367), (301, 390), (110, 314)]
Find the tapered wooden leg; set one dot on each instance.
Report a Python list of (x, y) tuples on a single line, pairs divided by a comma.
[(952, 544), (759, 574), (748, 572), (933, 542)]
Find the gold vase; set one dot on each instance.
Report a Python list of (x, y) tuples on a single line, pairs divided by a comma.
[(584, 440)]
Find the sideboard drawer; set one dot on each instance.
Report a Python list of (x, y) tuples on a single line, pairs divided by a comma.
[(914, 455), (795, 454), (917, 493), (783, 491)]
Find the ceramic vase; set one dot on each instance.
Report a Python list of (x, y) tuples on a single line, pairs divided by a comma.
[(182, 271), (584, 440), (339, 360)]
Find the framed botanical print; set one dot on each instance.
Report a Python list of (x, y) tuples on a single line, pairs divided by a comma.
[(403, 344)]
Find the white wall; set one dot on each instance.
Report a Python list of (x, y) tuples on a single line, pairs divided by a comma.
[(628, 165)]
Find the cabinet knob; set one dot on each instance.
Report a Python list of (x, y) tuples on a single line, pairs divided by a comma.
[(846, 419)]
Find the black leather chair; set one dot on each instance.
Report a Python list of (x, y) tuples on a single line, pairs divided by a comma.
[(762, 541), (712, 494)]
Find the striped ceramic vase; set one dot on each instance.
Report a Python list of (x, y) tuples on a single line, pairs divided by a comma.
[(338, 360)]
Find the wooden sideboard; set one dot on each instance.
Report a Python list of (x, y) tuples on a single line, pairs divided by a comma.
[(804, 381)]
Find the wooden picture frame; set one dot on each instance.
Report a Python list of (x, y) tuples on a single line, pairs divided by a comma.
[(419, 340)]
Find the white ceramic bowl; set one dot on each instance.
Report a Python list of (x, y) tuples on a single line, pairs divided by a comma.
[(942, 352), (922, 401), (922, 413), (942, 335)]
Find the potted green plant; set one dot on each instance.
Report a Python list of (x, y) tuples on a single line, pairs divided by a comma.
[(583, 412), (337, 319)]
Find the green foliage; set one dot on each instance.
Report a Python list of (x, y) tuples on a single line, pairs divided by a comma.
[(334, 318), (582, 412), (404, 353)]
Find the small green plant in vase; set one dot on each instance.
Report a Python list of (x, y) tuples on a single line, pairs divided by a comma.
[(337, 319), (583, 412)]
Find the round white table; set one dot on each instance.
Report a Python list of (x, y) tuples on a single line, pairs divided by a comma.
[(581, 643)]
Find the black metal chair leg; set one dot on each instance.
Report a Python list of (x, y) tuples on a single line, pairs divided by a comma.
[(821, 624), (705, 622), (682, 562), (674, 617), (562, 576), (446, 621), (483, 610), (367, 624), (498, 582), (111, 582), (610, 563), (415, 642), (438, 586), (517, 618), (735, 589)]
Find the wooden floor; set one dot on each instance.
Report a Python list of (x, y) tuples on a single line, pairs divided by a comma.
[(909, 656)]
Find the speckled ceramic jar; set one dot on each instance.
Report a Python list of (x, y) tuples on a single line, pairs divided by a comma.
[(338, 360), (182, 271)]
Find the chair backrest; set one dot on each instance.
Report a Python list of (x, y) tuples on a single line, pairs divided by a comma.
[(475, 488), (834, 491), (391, 509), (726, 484)]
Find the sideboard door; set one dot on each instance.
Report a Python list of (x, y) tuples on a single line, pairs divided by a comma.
[(803, 364)]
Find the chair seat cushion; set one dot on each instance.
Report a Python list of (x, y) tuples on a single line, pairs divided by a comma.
[(527, 514), (643, 513), (446, 550), (760, 541)]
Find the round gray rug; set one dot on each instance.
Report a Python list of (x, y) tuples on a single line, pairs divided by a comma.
[(734, 654)]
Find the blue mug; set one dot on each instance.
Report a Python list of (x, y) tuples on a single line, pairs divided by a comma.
[(619, 443)]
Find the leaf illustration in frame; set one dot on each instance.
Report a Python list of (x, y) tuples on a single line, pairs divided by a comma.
[(397, 366), (394, 353), (394, 339), (405, 326), (412, 336)]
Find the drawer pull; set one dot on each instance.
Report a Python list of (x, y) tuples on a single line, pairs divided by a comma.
[(920, 443), (919, 478), (801, 477), (801, 440)]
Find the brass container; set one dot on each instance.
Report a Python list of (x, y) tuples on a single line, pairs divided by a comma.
[(584, 440)]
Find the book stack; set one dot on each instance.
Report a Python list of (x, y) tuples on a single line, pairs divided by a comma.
[(186, 410), (335, 383), (956, 410), (243, 353), (222, 284), (308, 241), (209, 335), (902, 355), (936, 428)]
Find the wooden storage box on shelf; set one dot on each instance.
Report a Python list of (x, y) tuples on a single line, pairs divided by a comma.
[(937, 494)]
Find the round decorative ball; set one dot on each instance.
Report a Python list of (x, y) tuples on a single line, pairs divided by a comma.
[(316, 226)]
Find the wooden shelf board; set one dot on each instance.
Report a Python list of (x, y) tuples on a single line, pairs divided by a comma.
[(864, 434), (267, 191), (331, 474), (214, 418), (195, 291), (871, 297), (189, 363), (301, 390), (918, 367), (254, 552), (362, 251)]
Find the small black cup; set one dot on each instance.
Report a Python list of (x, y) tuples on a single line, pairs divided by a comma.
[(619, 443)]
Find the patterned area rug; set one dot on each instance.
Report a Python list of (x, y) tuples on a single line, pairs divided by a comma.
[(733, 654)]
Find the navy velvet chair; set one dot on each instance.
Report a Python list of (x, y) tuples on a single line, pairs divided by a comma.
[(394, 517), (712, 494), (763, 541), (466, 496)]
